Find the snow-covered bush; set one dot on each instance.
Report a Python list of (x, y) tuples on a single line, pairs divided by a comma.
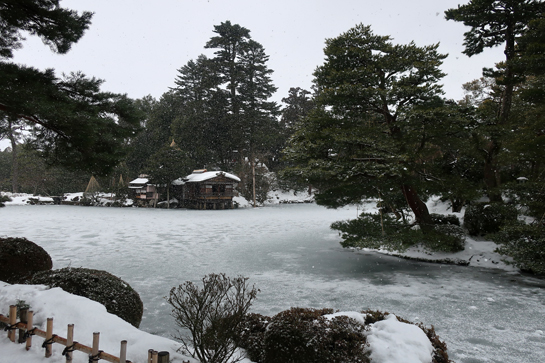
[(301, 335), (3, 199), (213, 315), (525, 243), (116, 295), (530, 195), (484, 218), (306, 336), (385, 232), (251, 336), (440, 354), (445, 237)]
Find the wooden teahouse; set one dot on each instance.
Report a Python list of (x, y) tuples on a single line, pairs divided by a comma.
[(206, 189), (141, 191)]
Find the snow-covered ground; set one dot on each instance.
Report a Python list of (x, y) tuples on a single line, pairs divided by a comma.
[(412, 345), (487, 312), (87, 316)]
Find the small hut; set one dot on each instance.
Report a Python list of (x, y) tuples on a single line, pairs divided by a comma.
[(141, 190), (206, 189)]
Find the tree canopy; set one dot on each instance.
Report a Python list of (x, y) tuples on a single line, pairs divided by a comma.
[(359, 142), (68, 119)]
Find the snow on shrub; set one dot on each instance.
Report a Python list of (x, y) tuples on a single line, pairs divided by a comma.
[(484, 218)]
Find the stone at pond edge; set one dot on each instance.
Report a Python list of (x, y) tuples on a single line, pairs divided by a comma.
[(20, 258), (115, 294)]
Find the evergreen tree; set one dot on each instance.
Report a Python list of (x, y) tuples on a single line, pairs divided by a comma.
[(70, 120), (202, 126), (299, 103), (167, 164), (494, 23), (360, 141), (226, 114), (56, 26)]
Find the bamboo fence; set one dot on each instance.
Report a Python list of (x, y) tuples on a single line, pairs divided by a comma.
[(27, 331)]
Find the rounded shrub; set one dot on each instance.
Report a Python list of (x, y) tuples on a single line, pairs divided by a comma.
[(525, 243), (484, 218), (21, 258), (115, 294), (251, 336), (440, 354), (306, 336)]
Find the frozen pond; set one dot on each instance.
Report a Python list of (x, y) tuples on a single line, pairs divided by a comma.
[(292, 256)]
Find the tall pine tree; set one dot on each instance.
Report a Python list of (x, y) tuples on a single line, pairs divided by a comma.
[(358, 143), (494, 23)]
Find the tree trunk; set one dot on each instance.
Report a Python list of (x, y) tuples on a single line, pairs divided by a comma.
[(457, 204), (491, 180), (253, 178), (418, 207), (14, 161)]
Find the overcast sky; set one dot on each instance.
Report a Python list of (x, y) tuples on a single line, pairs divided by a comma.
[(137, 46)]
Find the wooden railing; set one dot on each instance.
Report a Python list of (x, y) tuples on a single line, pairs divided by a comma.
[(27, 331)]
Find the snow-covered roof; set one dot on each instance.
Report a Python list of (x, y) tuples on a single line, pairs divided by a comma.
[(203, 176), (136, 183)]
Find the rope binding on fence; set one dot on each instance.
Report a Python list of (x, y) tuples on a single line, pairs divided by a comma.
[(69, 349), (49, 341), (29, 333), (10, 327), (94, 358)]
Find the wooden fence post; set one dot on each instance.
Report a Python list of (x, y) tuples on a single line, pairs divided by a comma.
[(12, 321), (123, 352), (150, 351), (154, 356), (48, 335), (23, 319), (94, 351), (29, 327), (163, 357), (69, 342)]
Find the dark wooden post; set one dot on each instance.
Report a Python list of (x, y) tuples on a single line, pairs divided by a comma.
[(163, 357), (23, 319)]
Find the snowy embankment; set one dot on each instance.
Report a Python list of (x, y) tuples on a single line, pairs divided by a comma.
[(87, 316), (390, 341)]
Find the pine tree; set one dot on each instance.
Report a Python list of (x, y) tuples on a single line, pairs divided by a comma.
[(70, 120), (360, 141), (495, 23), (226, 113)]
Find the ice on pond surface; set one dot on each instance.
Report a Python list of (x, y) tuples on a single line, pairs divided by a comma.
[(291, 255)]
